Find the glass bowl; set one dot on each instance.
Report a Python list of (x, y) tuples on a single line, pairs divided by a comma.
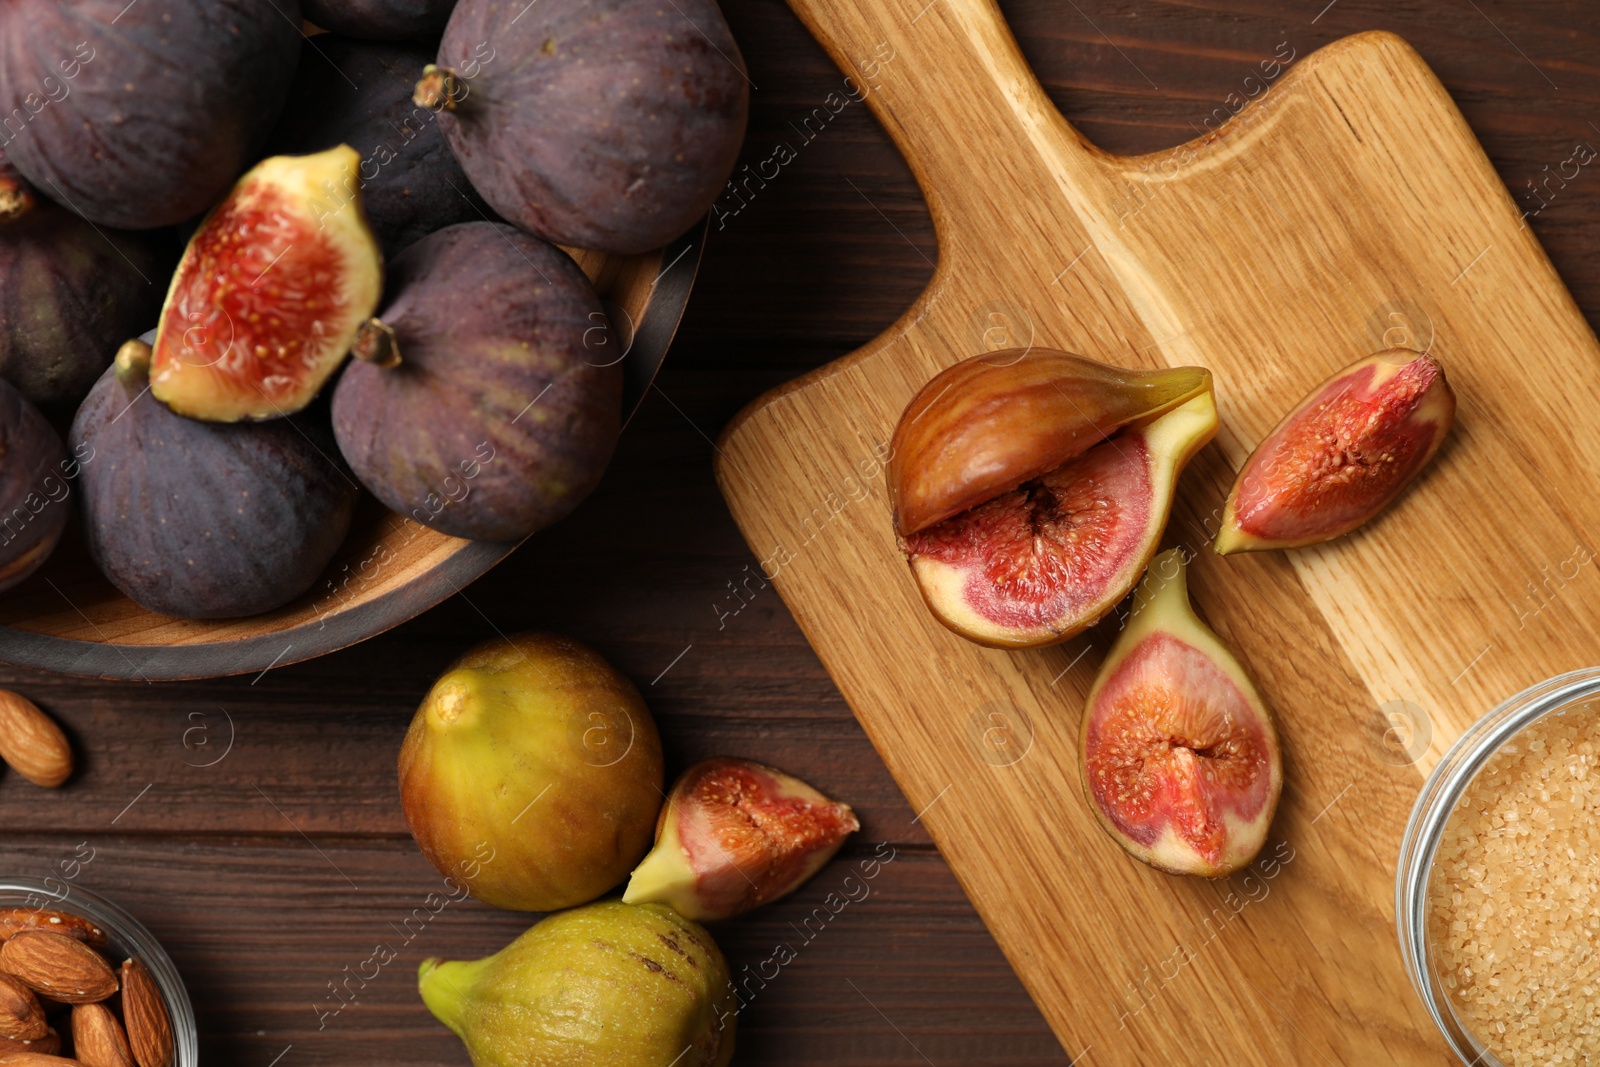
[(128, 938), (1425, 830)]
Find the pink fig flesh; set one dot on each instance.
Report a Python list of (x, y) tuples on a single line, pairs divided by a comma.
[(1342, 455), (1045, 561), (735, 835), (1179, 753)]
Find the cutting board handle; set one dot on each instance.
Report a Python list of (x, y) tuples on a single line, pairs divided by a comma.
[(948, 82)]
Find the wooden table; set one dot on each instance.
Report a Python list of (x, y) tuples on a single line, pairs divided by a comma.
[(253, 823)]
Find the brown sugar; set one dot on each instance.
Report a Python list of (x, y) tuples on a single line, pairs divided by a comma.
[(1514, 898)]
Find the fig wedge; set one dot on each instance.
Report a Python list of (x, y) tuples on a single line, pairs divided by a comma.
[(1342, 455), (1179, 754), (1048, 559), (270, 292), (992, 422), (735, 835)]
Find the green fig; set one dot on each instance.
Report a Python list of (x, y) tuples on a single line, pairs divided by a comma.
[(606, 985), (532, 772)]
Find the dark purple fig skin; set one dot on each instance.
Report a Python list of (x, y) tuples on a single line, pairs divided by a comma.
[(35, 482), (411, 184), (69, 295), (381, 20), (604, 124), (141, 115), (498, 420), (206, 520)]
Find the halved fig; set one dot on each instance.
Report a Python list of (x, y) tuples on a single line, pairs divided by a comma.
[(1045, 561), (270, 292), (992, 422), (1180, 756), (1342, 455), (735, 835)]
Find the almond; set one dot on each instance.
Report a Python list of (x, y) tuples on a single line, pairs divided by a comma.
[(32, 743), (58, 966), (49, 1044), (15, 920), (21, 1016), (145, 1012), (37, 1059), (97, 1037)]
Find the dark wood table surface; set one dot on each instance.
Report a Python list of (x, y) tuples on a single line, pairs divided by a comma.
[(253, 823)]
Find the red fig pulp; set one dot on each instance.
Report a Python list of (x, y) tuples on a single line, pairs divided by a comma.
[(735, 835), (1180, 756), (269, 293), (1342, 455), (1045, 561)]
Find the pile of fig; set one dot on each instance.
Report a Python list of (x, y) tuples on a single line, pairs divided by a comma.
[(1030, 490), (332, 192), (531, 777)]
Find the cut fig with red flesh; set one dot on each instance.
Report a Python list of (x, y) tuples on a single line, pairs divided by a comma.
[(1039, 564), (735, 835), (990, 423), (270, 292), (1342, 455), (1180, 756)]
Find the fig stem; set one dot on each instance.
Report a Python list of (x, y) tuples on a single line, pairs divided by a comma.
[(376, 344), (132, 363), (16, 200), (439, 89)]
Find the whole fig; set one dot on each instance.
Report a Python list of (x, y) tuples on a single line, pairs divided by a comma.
[(70, 293), (140, 115), (532, 772), (204, 520), (476, 406), (606, 124), (608, 985), (34, 485), (411, 184)]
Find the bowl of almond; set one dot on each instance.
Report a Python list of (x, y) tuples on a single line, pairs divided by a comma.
[(82, 982)]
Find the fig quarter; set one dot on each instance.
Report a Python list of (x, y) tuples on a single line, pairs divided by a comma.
[(1342, 455), (33, 745), (1179, 753)]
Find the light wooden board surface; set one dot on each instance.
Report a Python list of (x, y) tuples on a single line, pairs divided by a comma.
[(1346, 208)]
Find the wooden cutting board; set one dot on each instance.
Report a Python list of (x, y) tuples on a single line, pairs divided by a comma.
[(1344, 209)]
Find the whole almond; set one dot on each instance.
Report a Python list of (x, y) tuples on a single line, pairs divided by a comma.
[(58, 966), (21, 1016), (32, 743), (145, 1013), (15, 920), (49, 1044), (97, 1037)]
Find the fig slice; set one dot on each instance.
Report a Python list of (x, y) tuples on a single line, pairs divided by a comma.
[(1045, 561), (1342, 455), (270, 292), (1180, 757), (735, 835), (987, 424)]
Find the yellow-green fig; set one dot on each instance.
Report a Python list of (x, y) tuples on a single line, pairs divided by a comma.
[(607, 985), (532, 772)]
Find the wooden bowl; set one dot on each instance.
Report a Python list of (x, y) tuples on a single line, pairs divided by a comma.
[(68, 618)]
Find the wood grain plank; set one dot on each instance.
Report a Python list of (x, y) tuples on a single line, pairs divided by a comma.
[(1265, 250)]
